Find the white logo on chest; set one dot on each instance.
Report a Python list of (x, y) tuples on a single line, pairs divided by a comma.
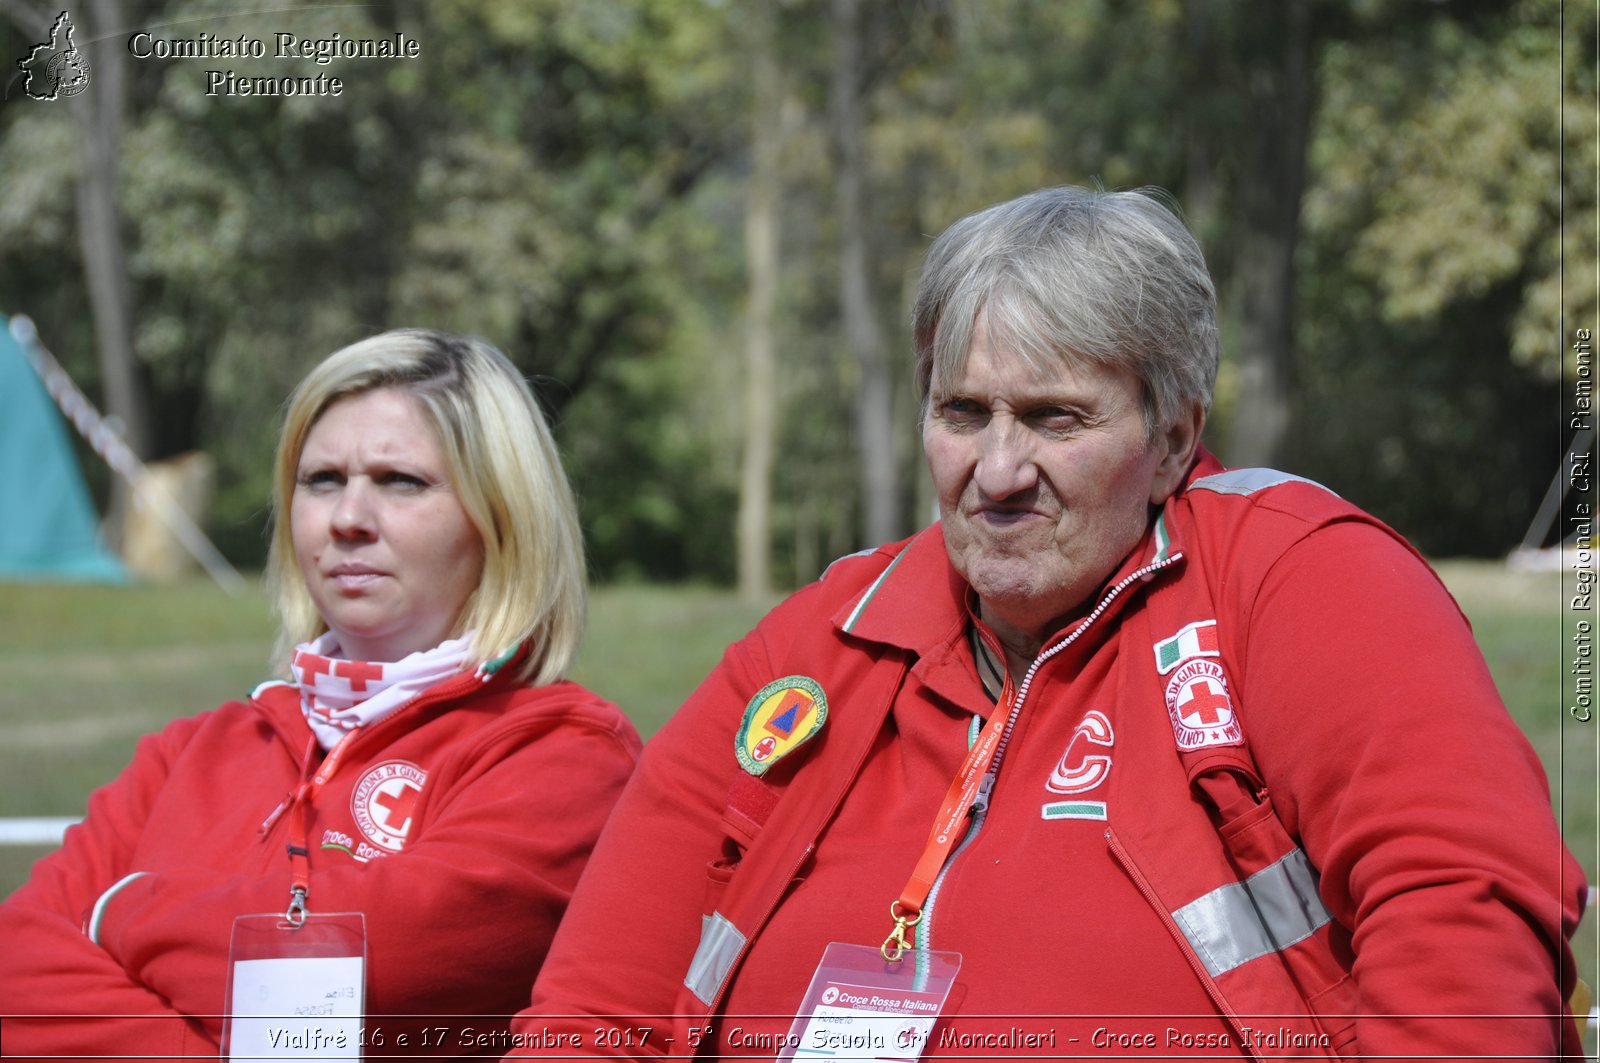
[(1081, 769)]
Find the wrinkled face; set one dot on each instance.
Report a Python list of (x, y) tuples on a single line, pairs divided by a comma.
[(383, 544), (1045, 482)]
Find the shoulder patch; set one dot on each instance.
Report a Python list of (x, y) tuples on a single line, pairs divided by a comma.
[(1201, 711), (1249, 481), (783, 716), (1198, 639)]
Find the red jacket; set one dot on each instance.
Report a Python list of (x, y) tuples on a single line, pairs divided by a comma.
[(1096, 884), (459, 826)]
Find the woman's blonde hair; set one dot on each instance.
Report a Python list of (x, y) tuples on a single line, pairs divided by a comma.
[(506, 473)]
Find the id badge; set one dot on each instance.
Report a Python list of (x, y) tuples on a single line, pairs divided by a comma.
[(296, 992), (860, 1006)]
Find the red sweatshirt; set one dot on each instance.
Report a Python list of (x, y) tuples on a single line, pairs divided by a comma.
[(459, 826), (1368, 710)]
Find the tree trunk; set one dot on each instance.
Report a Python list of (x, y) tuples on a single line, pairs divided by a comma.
[(874, 398), (1272, 186), (1201, 186), (754, 532), (99, 112)]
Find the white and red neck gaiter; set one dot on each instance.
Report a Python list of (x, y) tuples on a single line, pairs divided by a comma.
[(339, 695)]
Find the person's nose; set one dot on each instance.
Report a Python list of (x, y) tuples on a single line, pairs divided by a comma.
[(354, 516), (1006, 465)]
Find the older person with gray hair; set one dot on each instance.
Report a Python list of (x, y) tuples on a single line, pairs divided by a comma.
[(1127, 754)]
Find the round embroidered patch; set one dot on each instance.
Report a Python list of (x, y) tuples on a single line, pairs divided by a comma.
[(782, 716), (383, 800), (1199, 706)]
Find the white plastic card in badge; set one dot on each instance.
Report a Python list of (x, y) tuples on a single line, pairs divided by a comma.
[(296, 993), (860, 1006)]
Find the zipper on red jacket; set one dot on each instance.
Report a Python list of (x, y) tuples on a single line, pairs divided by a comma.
[(980, 810), (1200, 972), (981, 805)]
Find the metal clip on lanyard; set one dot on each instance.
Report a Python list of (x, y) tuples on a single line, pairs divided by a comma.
[(299, 860), (294, 916)]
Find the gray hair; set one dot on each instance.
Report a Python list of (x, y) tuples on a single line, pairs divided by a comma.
[(1111, 278)]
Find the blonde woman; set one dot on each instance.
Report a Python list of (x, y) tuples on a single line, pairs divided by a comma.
[(424, 764)]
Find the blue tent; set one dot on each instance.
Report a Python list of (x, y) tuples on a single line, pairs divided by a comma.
[(47, 523)]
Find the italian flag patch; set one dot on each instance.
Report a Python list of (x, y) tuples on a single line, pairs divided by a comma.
[(1199, 639)]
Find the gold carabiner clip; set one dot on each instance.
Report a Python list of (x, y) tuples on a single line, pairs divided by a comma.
[(895, 945)]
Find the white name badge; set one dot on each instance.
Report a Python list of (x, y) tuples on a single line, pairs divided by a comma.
[(296, 992), (860, 1006)]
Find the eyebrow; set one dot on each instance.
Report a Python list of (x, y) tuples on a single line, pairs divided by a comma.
[(1027, 395)]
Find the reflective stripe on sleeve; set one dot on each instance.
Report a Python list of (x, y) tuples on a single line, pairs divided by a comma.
[(1248, 481), (720, 945), (1242, 921)]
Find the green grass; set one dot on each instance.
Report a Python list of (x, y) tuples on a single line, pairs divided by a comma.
[(90, 669), (1517, 618), (647, 647), (87, 670)]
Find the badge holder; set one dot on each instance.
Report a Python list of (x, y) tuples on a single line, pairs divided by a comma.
[(296, 989), (861, 1006)]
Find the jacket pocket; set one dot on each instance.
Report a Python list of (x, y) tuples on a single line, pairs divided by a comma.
[(719, 873), (1335, 1011)]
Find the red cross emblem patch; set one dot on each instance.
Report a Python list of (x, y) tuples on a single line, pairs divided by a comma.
[(383, 800), (1198, 704)]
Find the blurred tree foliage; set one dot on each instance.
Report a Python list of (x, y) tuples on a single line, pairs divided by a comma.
[(1434, 316), (566, 178)]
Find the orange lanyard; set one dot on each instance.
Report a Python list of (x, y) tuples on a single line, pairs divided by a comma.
[(959, 798), (299, 847)]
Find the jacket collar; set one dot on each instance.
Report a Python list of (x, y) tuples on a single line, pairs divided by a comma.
[(921, 604), (917, 603)]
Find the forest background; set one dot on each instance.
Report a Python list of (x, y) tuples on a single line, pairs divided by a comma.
[(696, 225)]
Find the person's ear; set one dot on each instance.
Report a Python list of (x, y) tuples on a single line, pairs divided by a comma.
[(1177, 444)]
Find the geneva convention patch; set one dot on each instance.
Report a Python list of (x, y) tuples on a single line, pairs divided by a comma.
[(1201, 711), (782, 716)]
